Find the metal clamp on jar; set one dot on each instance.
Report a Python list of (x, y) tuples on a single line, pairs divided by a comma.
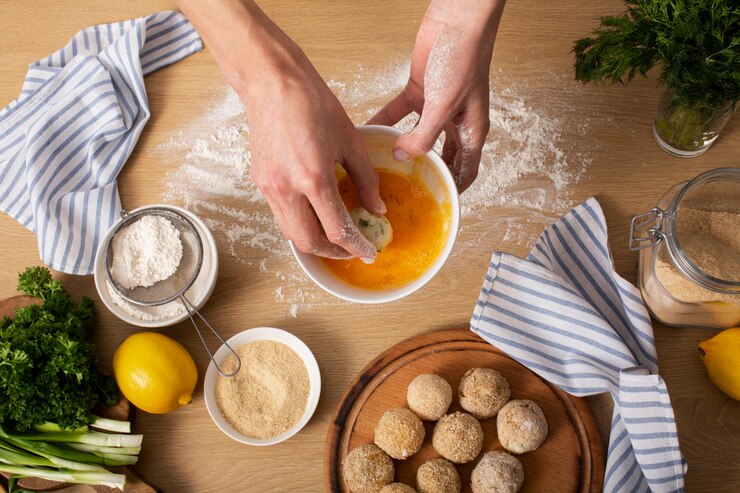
[(689, 247)]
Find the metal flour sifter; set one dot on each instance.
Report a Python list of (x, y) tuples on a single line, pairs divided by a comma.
[(174, 287)]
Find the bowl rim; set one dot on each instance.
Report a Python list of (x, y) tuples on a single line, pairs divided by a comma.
[(367, 296), (262, 334), (99, 276)]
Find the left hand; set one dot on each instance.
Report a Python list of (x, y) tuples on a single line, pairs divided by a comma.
[(448, 85)]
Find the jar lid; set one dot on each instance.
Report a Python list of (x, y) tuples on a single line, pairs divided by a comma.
[(703, 230)]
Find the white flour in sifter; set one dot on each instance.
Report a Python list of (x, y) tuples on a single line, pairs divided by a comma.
[(146, 252), (523, 184)]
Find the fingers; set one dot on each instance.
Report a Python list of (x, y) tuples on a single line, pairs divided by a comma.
[(472, 133), (299, 223), (393, 112), (338, 225), (363, 175), (465, 168), (423, 137), (451, 146)]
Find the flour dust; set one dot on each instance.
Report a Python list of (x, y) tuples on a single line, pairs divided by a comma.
[(524, 182)]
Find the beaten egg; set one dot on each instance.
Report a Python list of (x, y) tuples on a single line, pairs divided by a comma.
[(420, 229)]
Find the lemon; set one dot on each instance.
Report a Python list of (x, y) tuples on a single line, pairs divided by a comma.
[(721, 355), (154, 372)]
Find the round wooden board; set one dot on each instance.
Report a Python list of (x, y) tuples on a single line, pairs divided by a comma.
[(121, 411), (570, 460)]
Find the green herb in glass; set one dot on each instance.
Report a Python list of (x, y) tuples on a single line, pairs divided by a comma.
[(697, 45)]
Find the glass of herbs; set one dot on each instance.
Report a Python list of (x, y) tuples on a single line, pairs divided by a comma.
[(697, 45), (687, 129)]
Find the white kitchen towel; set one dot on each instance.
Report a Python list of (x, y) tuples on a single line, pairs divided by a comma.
[(566, 315), (74, 125)]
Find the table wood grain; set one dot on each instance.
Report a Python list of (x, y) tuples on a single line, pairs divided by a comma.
[(184, 451)]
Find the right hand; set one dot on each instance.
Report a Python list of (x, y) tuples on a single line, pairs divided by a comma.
[(299, 131)]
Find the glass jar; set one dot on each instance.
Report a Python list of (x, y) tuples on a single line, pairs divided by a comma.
[(684, 130), (689, 244)]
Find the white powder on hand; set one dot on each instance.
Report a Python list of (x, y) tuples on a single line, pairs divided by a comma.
[(146, 252)]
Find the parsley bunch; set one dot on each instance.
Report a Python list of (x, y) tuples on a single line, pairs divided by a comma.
[(48, 368), (696, 43)]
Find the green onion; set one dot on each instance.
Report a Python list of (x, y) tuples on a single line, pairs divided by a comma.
[(45, 449), (115, 425), (97, 449), (104, 478), (70, 456), (89, 437)]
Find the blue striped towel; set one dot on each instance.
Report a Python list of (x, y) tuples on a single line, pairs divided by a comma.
[(69, 133), (566, 315)]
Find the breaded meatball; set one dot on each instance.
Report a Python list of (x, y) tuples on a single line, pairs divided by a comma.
[(429, 396), (397, 488), (367, 469), (399, 433), (458, 437), (483, 391), (438, 476), (497, 472), (521, 426)]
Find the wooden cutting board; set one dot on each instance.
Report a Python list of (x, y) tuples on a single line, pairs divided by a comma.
[(122, 411), (570, 460)]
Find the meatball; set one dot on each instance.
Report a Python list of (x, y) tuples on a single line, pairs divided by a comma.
[(429, 396), (397, 488), (521, 426), (458, 437), (399, 433), (497, 472), (376, 229), (483, 391), (367, 469), (438, 476)]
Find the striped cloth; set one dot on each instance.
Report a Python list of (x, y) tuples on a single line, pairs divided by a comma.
[(566, 315), (69, 133)]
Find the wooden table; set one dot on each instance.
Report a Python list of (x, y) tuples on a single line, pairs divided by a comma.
[(184, 451)]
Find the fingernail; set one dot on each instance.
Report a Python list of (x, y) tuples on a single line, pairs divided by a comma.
[(381, 207), (400, 155), (367, 260)]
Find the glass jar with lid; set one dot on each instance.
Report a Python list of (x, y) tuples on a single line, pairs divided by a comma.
[(689, 245)]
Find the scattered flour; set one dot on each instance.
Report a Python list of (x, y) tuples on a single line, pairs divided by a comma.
[(523, 183)]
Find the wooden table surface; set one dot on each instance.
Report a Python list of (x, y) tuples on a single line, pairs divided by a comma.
[(184, 451)]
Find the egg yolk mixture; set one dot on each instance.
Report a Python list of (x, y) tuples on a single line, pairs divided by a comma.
[(420, 228)]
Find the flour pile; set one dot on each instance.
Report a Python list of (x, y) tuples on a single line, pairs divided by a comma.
[(525, 175), (146, 252)]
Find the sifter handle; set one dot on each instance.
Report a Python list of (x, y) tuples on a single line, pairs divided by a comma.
[(190, 309)]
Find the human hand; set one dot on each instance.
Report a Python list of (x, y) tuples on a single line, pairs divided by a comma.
[(448, 85), (299, 131)]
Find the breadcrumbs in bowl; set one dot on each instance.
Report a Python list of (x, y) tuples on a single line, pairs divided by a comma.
[(275, 392)]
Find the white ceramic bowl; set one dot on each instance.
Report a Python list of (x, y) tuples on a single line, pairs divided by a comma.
[(262, 334), (198, 294), (379, 141)]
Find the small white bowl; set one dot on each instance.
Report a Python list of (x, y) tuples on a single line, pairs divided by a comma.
[(262, 334), (198, 293), (379, 141)]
